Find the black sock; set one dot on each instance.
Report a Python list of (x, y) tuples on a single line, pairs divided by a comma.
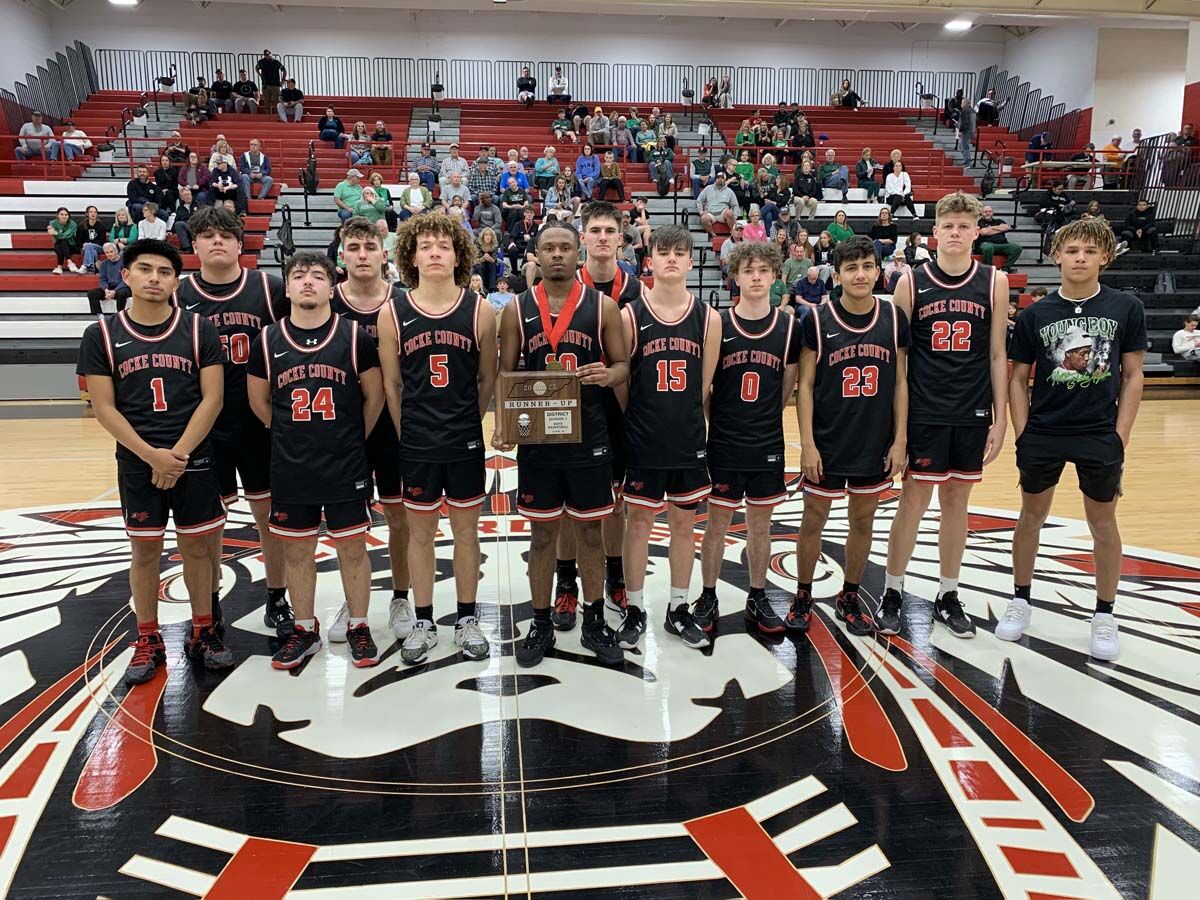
[(1104, 606), (425, 612), (614, 570), (567, 573), (804, 587), (849, 587), (541, 615), (274, 594), (593, 610), (755, 592), (400, 595), (708, 593), (1022, 591), (465, 610), (216, 599)]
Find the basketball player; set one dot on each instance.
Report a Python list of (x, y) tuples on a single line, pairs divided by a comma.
[(1079, 414), (957, 414), (438, 349), (756, 372), (561, 324), (314, 381), (674, 343), (360, 299), (602, 240), (852, 405), (154, 374), (240, 302)]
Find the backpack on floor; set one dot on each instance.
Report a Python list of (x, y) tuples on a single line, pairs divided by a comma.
[(1164, 283)]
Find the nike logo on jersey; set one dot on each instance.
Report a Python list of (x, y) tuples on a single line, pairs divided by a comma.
[(925, 290), (122, 343), (644, 327), (284, 353), (831, 335), (533, 319), (409, 322), (728, 339), (192, 306)]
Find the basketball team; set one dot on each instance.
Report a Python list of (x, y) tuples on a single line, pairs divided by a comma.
[(321, 396)]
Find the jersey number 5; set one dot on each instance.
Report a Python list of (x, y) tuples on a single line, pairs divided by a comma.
[(321, 403), (439, 370), (862, 382), (951, 336), (672, 375)]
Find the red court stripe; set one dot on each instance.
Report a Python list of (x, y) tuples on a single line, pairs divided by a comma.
[(999, 822), (980, 781), (21, 782), (1071, 796), (262, 869), (1037, 895), (73, 716), (901, 679), (868, 729), (1039, 862), (943, 732), (748, 857), (7, 823)]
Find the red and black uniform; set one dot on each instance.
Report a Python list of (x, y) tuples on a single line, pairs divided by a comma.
[(664, 424), (745, 429), (624, 289), (318, 436), (155, 370), (383, 444), (240, 310), (853, 395), (576, 478), (949, 373), (441, 433)]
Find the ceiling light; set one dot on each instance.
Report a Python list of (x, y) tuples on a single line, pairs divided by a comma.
[(124, 2), (953, 25)]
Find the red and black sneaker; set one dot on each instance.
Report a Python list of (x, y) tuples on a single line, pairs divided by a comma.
[(300, 643), (850, 610), (208, 648), (218, 617), (149, 653), (760, 612), (615, 597), (800, 614), (363, 652), (566, 602)]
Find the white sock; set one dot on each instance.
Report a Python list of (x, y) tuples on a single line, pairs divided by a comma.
[(355, 621), (893, 583), (678, 595), (946, 585), (634, 598), (307, 624)]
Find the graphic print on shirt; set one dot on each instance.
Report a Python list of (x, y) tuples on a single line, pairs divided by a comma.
[(1081, 348)]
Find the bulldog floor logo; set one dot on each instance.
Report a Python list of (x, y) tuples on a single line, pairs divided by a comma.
[(764, 768)]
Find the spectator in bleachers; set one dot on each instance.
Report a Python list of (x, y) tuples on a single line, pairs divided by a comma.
[(37, 140), (725, 93), (1139, 230), (992, 240), (897, 190), (839, 229), (166, 176), (221, 90), (768, 165), (708, 96), (744, 166), (112, 286), (885, 234), (492, 164), (480, 180), (347, 194), (359, 152), (754, 229), (221, 151), (557, 196), (810, 290), (599, 128), (610, 178), (915, 253), (806, 191), (545, 170), (700, 170), (896, 268), (516, 171), (1081, 177), (736, 236), (245, 93), (518, 241), (640, 217), (624, 144), (140, 191), (1092, 211), (501, 296), (514, 201), (823, 255), (560, 89), (526, 88), (744, 136), (587, 170), (787, 225), (255, 169), (1113, 154), (90, 237), (780, 239), (370, 205), (669, 130), (451, 164), (195, 175), (848, 97), (200, 85), (646, 139), (74, 141), (833, 174), (1186, 341), (151, 227), (426, 166), (661, 162), (271, 71), (1036, 149), (381, 144), (178, 223), (717, 202), (64, 230), (177, 149), (227, 185), (487, 214), (988, 110), (1056, 207), (865, 170), (457, 188), (796, 265), (291, 102), (967, 125), (1186, 137), (563, 127), (526, 161), (772, 198), (123, 229), (201, 108), (331, 129), (414, 199)]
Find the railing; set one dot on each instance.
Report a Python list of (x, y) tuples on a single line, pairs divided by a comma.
[(61, 85), (1169, 177), (1024, 109)]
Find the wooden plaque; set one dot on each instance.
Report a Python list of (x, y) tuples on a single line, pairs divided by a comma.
[(540, 408)]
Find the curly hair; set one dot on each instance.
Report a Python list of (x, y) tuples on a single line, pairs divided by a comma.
[(359, 227), (958, 203), (755, 251), (440, 225), (1090, 231)]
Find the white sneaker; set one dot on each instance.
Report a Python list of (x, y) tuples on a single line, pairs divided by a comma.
[(401, 618), (57, 270), (1015, 620), (420, 641), (1105, 642), (71, 265), (470, 639), (337, 628)]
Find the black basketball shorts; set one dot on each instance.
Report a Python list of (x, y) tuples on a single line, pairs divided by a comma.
[(834, 487), (762, 488), (383, 458), (682, 487), (940, 453), (301, 521), (544, 493), (460, 481), (1099, 461), (194, 501), (246, 453)]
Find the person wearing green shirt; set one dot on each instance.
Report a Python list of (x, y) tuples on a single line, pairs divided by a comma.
[(840, 229), (370, 205), (563, 127), (780, 295), (63, 229), (744, 167), (347, 194), (123, 230), (833, 174), (796, 266), (744, 136)]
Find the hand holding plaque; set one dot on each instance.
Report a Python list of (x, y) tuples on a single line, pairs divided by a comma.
[(539, 408)]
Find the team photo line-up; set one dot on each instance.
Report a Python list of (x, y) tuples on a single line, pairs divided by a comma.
[(320, 396)]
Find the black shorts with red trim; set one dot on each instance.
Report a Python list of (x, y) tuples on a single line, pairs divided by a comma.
[(763, 488), (248, 454), (383, 458), (940, 453), (1099, 461), (461, 482), (194, 502), (544, 493), (834, 487), (682, 487), (301, 521)]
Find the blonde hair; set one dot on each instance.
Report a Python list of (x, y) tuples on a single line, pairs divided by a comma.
[(958, 203)]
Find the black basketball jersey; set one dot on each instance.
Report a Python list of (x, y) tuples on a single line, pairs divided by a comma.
[(664, 423), (579, 344), (624, 288), (155, 374), (368, 321), (949, 365), (854, 389), (318, 440), (439, 371), (745, 427)]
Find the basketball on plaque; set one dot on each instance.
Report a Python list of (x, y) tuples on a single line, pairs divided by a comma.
[(540, 408)]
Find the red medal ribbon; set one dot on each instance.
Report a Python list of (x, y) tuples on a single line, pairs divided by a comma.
[(618, 285), (555, 331)]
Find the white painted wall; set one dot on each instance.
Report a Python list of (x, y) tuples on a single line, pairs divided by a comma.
[(1192, 73), (1061, 60), (25, 39), (1139, 81)]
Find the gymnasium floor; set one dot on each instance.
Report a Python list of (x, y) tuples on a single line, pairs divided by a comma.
[(920, 766)]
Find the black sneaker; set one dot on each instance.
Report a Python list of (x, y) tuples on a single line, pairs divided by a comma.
[(208, 649), (148, 654), (300, 644), (278, 616), (681, 624), (218, 617), (887, 620), (850, 610), (760, 612), (363, 652), (706, 611), (800, 613), (948, 610), (633, 626), (566, 602), (538, 640), (601, 640), (615, 597)]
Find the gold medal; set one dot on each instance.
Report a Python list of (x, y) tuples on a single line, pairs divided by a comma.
[(554, 365)]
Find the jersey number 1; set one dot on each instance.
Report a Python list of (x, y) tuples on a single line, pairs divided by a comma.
[(159, 395), (321, 403), (951, 336)]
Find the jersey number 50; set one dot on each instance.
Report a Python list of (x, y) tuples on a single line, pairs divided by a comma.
[(951, 336), (321, 403), (236, 347)]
